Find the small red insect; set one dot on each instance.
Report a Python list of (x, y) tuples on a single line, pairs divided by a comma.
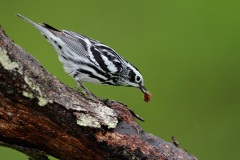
[(147, 96)]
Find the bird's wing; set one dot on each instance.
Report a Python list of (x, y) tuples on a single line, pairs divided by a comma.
[(97, 52)]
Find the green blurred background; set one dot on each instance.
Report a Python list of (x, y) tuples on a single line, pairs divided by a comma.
[(188, 52)]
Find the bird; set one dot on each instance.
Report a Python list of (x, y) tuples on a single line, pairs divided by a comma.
[(89, 60)]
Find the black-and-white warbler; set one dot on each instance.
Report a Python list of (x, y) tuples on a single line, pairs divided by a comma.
[(88, 60)]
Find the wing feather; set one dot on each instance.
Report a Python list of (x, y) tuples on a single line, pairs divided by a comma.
[(95, 51)]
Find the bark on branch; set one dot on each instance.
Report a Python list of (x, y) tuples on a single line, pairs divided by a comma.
[(40, 113)]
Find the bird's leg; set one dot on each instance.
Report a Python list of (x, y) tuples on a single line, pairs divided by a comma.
[(89, 93), (80, 89), (85, 90)]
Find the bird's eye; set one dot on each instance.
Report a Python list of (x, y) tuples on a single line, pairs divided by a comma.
[(138, 78)]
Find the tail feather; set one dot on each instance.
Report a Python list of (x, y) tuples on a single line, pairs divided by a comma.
[(29, 21), (45, 29)]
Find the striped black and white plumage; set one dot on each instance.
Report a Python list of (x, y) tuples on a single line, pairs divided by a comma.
[(88, 60)]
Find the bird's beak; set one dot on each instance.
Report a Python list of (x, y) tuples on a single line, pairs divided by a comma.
[(143, 89)]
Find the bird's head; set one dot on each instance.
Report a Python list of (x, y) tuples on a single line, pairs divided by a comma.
[(135, 79)]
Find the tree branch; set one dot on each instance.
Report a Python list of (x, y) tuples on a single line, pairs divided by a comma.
[(39, 113)]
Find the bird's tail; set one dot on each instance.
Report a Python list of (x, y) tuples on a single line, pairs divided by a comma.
[(43, 30)]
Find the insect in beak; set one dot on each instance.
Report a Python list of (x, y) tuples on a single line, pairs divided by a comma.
[(147, 94)]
